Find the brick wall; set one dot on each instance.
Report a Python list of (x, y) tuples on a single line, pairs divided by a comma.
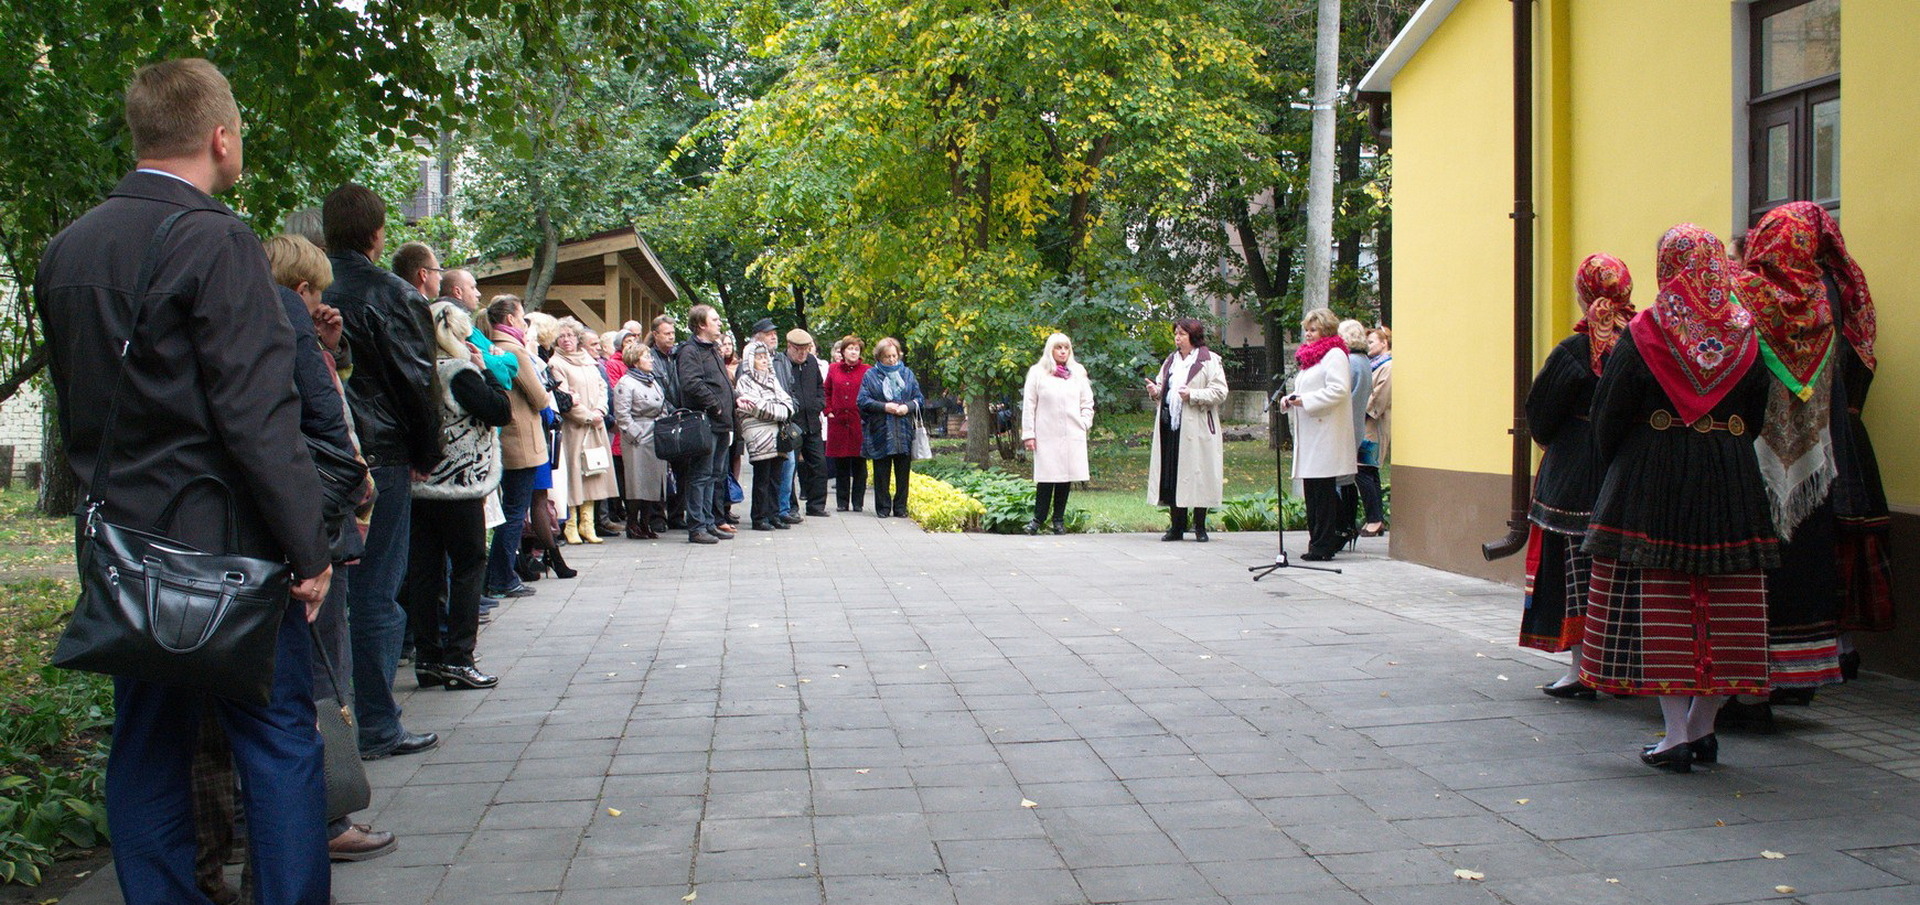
[(20, 428)]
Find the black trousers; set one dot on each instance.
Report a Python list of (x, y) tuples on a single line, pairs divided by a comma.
[(812, 473), (890, 484), (446, 535), (1050, 495), (1369, 481), (850, 481), (765, 493), (1324, 533)]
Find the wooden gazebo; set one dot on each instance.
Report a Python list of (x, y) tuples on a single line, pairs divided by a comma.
[(604, 280)]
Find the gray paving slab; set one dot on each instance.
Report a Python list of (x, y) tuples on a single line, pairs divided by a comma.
[(859, 712)]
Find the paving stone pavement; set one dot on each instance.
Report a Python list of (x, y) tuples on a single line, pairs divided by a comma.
[(857, 712)]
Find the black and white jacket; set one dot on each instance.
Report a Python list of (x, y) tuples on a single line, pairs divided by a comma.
[(471, 406)]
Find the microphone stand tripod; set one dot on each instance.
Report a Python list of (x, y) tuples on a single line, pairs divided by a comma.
[(1280, 559)]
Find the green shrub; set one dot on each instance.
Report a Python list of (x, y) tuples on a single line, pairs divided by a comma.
[(938, 506), (1007, 499), (1260, 511)]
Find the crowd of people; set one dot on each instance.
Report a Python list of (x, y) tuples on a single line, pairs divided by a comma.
[(1708, 520), (1341, 410)]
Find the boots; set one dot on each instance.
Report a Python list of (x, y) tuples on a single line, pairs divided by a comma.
[(584, 515), (559, 564), (572, 530), (1177, 527), (1200, 524), (634, 522)]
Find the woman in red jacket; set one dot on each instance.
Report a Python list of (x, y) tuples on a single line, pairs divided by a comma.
[(843, 423)]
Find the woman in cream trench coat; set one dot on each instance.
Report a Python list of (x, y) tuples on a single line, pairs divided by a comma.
[(1055, 414), (1188, 472), (582, 427), (1323, 434)]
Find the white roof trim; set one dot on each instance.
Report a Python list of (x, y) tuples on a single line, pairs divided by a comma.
[(1426, 20)]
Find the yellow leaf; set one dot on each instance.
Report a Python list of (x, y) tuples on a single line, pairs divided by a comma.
[(1465, 874), (1521, 800), (690, 896), (1028, 803), (1784, 890), (1772, 856), (613, 812)]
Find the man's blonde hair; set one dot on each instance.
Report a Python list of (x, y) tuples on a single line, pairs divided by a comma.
[(172, 105), (295, 260)]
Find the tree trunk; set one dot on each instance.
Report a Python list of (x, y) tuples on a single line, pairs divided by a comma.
[(1346, 289), (980, 425), (800, 306), (545, 260), (35, 361), (58, 493)]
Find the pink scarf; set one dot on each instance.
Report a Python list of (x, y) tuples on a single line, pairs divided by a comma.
[(514, 333), (1309, 354)]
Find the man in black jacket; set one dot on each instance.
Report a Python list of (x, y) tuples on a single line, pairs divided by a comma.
[(391, 394), (208, 391), (704, 387), (805, 381)]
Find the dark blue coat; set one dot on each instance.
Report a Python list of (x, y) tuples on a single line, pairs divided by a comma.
[(883, 434)]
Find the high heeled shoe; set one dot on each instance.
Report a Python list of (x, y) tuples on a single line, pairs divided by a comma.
[(1677, 759), (1571, 690), (558, 564)]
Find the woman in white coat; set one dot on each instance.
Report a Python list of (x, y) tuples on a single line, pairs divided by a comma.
[(1323, 434), (1055, 415), (1188, 464)]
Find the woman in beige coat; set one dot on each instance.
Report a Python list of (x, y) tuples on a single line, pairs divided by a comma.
[(1379, 429), (1323, 433), (1189, 460), (1055, 415), (523, 445), (583, 429)]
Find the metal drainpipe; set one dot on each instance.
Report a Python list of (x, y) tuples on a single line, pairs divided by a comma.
[(1523, 218)]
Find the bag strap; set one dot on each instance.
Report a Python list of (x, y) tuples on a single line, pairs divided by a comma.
[(333, 678), (103, 470)]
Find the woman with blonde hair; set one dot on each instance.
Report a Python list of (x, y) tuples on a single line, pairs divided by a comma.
[(584, 449), (447, 556), (1055, 414), (1323, 433)]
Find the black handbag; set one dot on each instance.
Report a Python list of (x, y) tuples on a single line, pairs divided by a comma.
[(155, 609), (682, 434), (342, 479), (790, 438), (347, 787)]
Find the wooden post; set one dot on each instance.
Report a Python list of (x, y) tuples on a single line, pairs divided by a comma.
[(33, 475), (6, 467)]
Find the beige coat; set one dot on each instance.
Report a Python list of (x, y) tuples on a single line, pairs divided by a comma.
[(584, 427), (523, 443), (1323, 441), (1202, 455), (1380, 408), (1056, 415), (636, 403)]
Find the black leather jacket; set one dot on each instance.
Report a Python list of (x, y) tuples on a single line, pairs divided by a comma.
[(392, 389), (703, 382)]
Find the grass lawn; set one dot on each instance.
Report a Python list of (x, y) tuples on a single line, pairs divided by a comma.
[(1118, 449)]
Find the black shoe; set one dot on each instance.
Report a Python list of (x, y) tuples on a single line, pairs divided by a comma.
[(856, 507), (1571, 691), (559, 564), (410, 743), (1059, 526), (531, 566), (1173, 534), (701, 537), (763, 525), (820, 511), (882, 513), (1200, 532), (900, 512), (1757, 718), (1706, 749), (1792, 697), (429, 675), (458, 677), (1032, 527), (794, 518), (1850, 666), (840, 507), (1317, 557), (1677, 759), (781, 524)]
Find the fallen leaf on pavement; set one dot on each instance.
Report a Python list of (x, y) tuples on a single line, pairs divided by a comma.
[(1465, 874), (1772, 856), (1521, 800), (1029, 803), (613, 812), (690, 896), (863, 771), (1784, 890)]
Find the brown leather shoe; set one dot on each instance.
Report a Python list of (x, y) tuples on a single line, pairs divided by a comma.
[(361, 843)]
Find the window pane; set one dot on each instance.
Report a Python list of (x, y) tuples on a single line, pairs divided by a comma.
[(1799, 45), (1826, 150), (1779, 163)]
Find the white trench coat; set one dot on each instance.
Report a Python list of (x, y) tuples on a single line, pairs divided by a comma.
[(1202, 452), (1056, 414)]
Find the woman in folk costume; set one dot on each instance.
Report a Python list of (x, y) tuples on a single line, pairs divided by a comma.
[(1859, 503), (1557, 416), (1794, 320), (1681, 531), (1188, 461)]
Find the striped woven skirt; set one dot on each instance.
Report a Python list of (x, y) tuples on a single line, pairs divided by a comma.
[(1556, 602), (1654, 631)]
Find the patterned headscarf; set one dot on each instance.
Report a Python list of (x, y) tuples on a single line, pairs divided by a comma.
[(1605, 291), (1788, 299), (1697, 338), (1857, 323)]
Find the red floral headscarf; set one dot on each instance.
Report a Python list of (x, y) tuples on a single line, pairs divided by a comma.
[(1605, 291), (1857, 323), (1788, 299), (1697, 338)]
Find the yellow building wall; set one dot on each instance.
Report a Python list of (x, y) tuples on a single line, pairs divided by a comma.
[(1880, 198), (1452, 245), (1648, 153)]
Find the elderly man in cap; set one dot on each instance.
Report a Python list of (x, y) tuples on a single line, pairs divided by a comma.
[(800, 372)]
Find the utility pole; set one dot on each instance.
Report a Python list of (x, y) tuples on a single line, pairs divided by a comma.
[(1320, 165)]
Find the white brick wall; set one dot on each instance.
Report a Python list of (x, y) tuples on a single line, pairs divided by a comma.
[(20, 428)]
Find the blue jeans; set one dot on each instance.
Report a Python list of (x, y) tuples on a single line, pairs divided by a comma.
[(377, 623), (708, 477), (516, 495), (277, 753), (783, 490)]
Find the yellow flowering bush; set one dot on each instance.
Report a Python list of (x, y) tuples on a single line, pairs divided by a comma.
[(939, 506)]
